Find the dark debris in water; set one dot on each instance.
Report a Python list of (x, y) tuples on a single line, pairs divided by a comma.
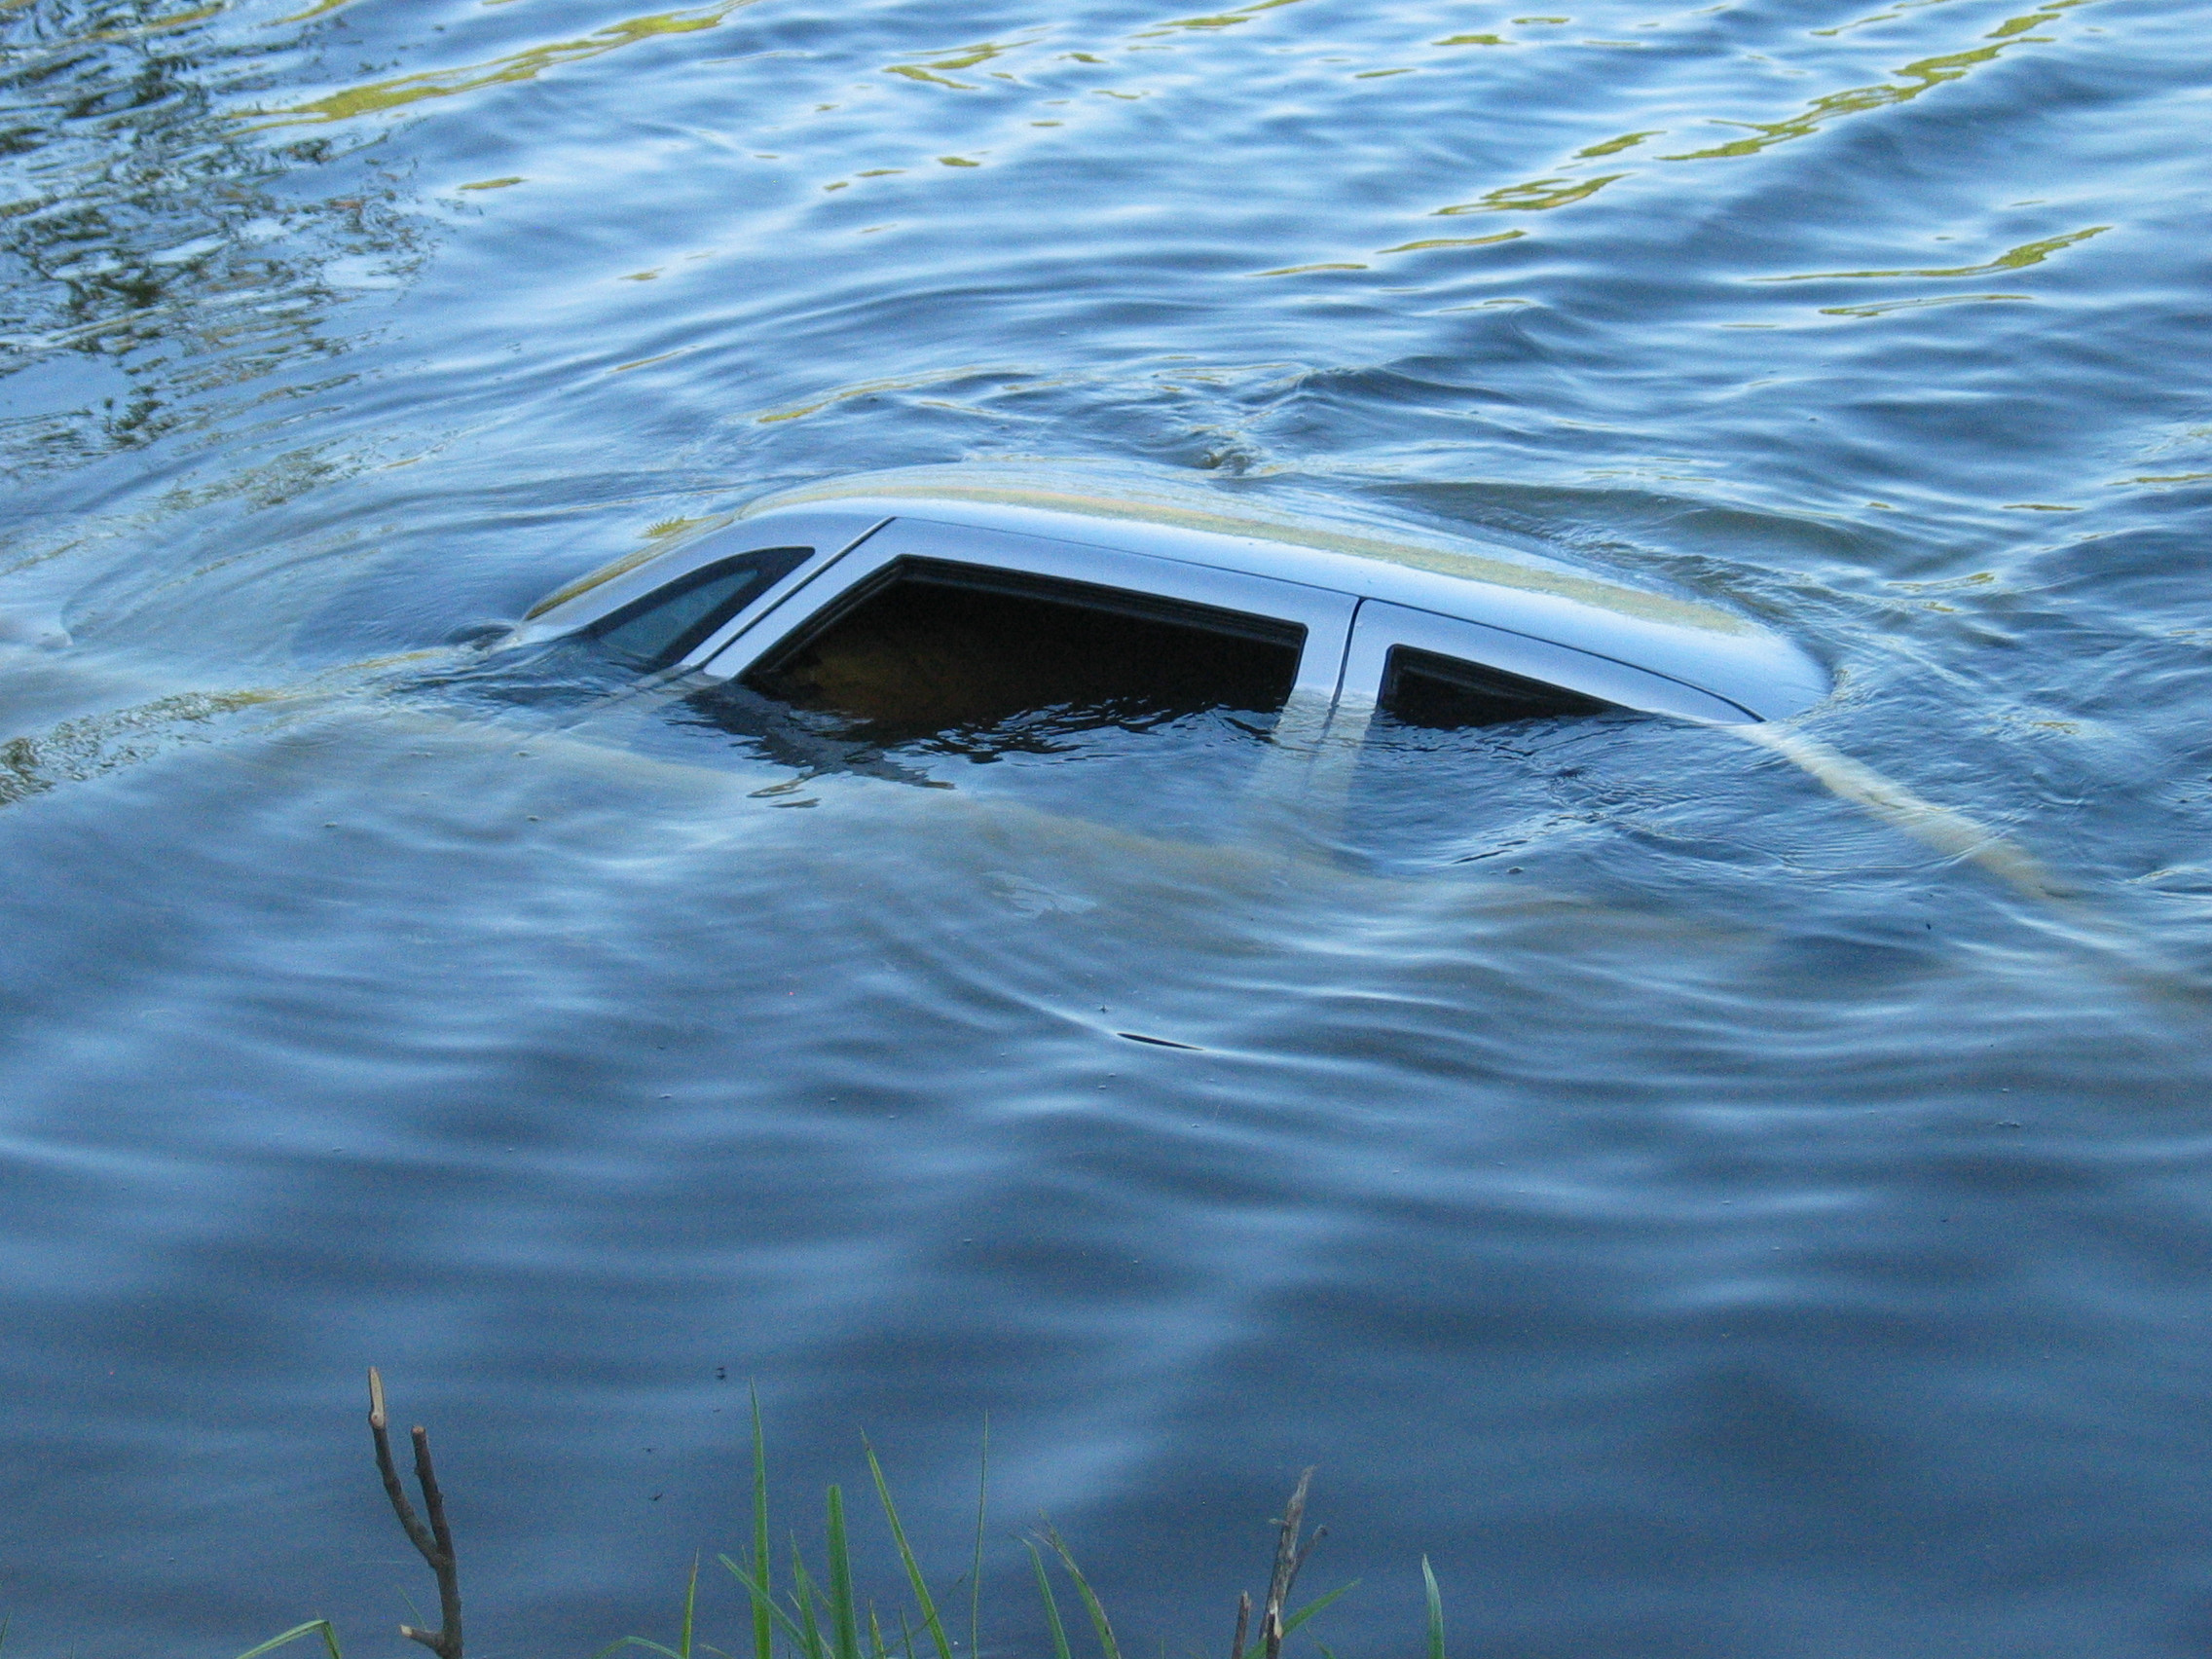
[(1160, 1041)]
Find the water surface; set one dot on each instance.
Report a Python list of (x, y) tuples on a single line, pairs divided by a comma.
[(1703, 1218)]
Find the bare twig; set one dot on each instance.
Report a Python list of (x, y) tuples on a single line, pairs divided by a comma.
[(433, 1542), (1304, 1550), (1244, 1624), (1289, 1558)]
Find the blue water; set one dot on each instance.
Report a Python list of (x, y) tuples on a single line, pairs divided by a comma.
[(1700, 1216)]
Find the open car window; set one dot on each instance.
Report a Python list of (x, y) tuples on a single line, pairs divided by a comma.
[(658, 630), (927, 645), (1114, 593)]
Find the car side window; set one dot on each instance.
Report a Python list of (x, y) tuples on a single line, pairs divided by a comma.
[(656, 631), (1424, 689), (933, 645)]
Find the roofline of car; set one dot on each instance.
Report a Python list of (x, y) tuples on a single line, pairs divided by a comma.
[(1720, 651)]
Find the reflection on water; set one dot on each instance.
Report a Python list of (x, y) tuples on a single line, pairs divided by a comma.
[(160, 269), (377, 96), (1703, 1214)]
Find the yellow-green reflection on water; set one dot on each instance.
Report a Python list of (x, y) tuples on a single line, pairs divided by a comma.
[(1885, 306), (377, 96), (963, 58), (1453, 242), (2012, 259), (158, 25), (1560, 189), (1920, 76), (1891, 15), (1215, 20), (1538, 196), (1613, 146)]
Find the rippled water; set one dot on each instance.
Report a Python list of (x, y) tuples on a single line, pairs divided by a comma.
[(1703, 1218)]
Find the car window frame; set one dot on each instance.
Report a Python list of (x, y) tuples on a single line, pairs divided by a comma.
[(1379, 628), (1325, 614)]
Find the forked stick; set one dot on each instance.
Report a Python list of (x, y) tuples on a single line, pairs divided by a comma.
[(434, 1543), (1290, 1555)]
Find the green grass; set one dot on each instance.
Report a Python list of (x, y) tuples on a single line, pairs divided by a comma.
[(298, 1633), (824, 1618)]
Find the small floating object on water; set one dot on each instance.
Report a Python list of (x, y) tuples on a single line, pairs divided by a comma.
[(935, 597)]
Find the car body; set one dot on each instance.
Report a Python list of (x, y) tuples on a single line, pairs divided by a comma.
[(1366, 616)]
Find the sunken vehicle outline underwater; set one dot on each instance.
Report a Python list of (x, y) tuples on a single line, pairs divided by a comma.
[(1364, 614)]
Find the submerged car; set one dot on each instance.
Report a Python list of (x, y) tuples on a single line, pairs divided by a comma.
[(919, 601)]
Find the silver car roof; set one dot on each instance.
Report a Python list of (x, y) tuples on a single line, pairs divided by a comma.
[(1694, 643)]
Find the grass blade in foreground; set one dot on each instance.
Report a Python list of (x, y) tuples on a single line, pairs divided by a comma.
[(805, 1594), (322, 1627), (666, 1652), (763, 1627), (975, 1569), (753, 1588), (1290, 1625), (1105, 1630), (800, 1623), (682, 1647), (1051, 1607), (907, 1555), (844, 1617)]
